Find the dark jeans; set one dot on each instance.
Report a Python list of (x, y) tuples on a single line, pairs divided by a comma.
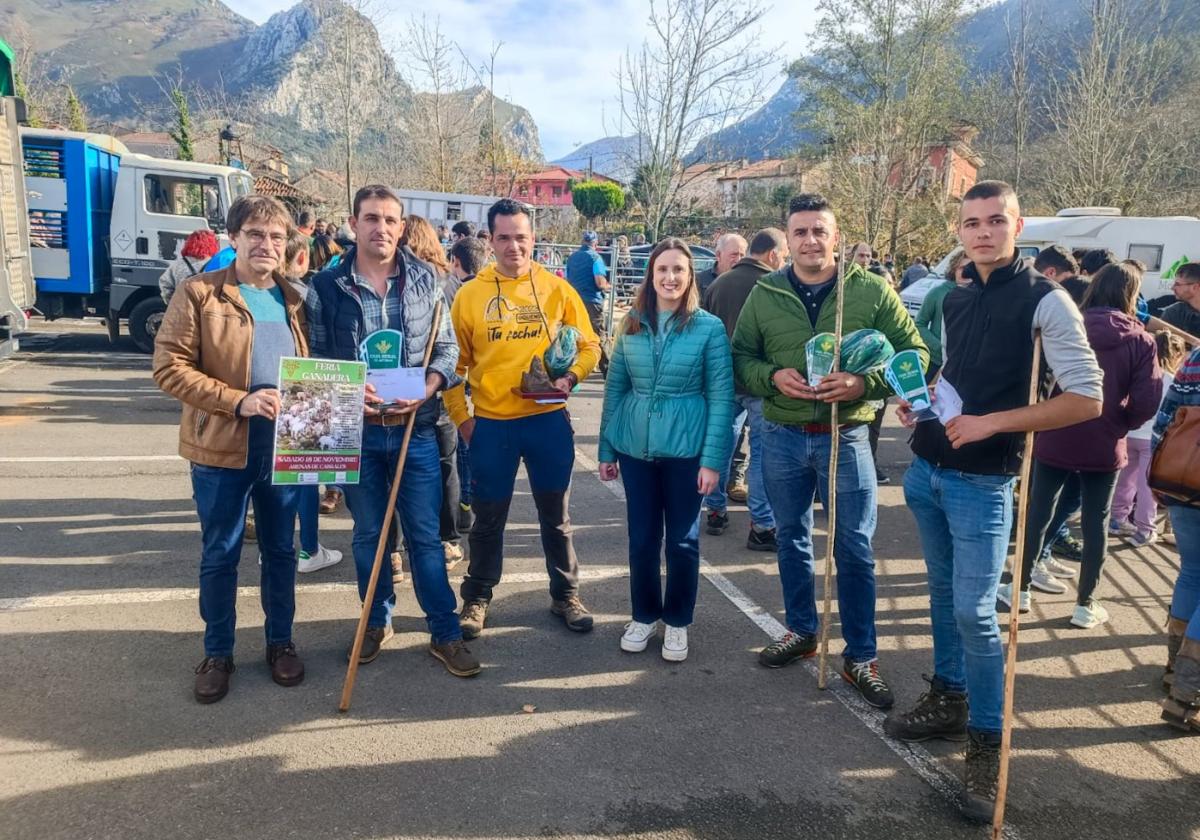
[(447, 440), (1096, 492), (660, 496), (874, 429), (462, 457), (1068, 505), (221, 496), (596, 317), (309, 511), (417, 503), (546, 443)]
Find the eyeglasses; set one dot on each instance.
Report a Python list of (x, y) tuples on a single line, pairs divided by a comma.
[(256, 237)]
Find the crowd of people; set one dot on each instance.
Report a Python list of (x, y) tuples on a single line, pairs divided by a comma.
[(694, 361)]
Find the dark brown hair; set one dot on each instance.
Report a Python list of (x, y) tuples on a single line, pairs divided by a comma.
[(250, 208), (645, 303), (1115, 286), (1171, 350), (375, 191)]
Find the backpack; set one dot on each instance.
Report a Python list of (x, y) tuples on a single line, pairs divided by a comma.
[(1175, 467)]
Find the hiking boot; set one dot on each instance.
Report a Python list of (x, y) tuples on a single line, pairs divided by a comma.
[(472, 618), (983, 776), (373, 642), (1043, 581), (715, 522), (452, 552), (1004, 596), (675, 644), (323, 559), (1181, 709), (637, 636), (1089, 615), (1175, 630), (212, 678), (737, 492), (397, 568), (939, 713), (457, 658), (787, 649), (1068, 547), (466, 518), (331, 500), (286, 667), (865, 677), (573, 613), (1057, 568), (763, 540), (251, 534)]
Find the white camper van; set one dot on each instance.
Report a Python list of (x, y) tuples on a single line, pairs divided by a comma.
[(1163, 243)]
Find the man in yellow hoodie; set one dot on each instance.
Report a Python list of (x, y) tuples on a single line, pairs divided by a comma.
[(504, 318)]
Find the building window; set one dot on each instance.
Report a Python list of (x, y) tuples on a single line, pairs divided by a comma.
[(556, 191), (537, 191), (453, 211), (524, 189)]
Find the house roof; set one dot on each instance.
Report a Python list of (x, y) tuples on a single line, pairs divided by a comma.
[(769, 168), (562, 173), (324, 175), (270, 185)]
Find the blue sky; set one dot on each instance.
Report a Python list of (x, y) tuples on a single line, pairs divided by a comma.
[(559, 60)]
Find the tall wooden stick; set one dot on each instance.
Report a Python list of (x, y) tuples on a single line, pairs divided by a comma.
[(1014, 612), (364, 615), (831, 491)]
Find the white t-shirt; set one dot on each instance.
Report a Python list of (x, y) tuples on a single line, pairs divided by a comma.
[(1144, 433)]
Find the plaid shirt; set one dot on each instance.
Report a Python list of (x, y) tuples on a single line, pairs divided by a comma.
[(380, 314)]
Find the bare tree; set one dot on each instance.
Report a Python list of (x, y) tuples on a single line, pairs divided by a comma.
[(698, 72), (351, 25)]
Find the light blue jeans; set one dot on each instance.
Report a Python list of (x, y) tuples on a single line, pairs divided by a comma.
[(964, 521), (795, 467), (749, 410), (1185, 604)]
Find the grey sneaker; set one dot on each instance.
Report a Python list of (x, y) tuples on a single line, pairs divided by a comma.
[(457, 658), (573, 613), (983, 776), (1043, 581), (1058, 568), (472, 618)]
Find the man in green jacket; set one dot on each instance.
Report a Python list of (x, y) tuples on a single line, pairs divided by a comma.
[(786, 308)]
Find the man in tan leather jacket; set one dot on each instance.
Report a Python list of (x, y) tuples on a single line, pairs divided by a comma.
[(218, 353)]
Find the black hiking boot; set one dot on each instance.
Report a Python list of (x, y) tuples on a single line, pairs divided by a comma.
[(787, 649), (983, 776), (939, 713), (865, 677)]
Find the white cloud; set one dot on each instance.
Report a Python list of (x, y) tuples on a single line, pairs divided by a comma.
[(559, 61)]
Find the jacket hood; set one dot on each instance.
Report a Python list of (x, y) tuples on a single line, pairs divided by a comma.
[(1106, 328)]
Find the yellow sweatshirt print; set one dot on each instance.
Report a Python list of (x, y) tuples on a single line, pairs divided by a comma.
[(499, 322)]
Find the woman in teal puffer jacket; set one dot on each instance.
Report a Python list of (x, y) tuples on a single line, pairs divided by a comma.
[(667, 427)]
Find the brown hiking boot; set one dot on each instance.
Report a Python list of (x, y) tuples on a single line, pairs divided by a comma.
[(453, 553), (983, 776), (397, 568), (573, 613), (737, 492), (1181, 709), (212, 678), (373, 641), (331, 500), (457, 658), (472, 618), (286, 667), (1175, 631)]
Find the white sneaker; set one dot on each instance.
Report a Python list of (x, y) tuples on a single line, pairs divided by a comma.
[(1004, 596), (323, 559), (1120, 529), (637, 636), (1043, 581), (1058, 568), (675, 647), (1141, 540), (1090, 615)]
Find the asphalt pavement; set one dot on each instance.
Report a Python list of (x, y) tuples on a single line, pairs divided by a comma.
[(562, 735)]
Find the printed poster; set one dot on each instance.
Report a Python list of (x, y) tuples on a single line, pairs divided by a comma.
[(318, 434)]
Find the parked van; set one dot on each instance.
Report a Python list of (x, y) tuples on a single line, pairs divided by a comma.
[(1163, 243)]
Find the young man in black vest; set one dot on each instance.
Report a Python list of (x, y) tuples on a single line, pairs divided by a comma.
[(960, 485)]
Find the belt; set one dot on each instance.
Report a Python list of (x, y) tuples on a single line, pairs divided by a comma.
[(391, 419), (824, 428)]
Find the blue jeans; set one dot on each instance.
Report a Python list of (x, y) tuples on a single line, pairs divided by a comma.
[(795, 467), (756, 496), (418, 503), (221, 495), (309, 511), (661, 496), (1185, 604), (964, 521)]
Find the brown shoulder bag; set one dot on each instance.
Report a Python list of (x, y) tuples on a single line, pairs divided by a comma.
[(1175, 467)]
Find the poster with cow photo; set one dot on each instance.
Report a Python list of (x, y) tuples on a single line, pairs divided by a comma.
[(318, 434)]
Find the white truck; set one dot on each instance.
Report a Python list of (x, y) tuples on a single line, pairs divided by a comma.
[(16, 276), (1163, 243), (104, 223)]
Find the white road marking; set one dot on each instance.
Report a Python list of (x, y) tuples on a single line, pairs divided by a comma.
[(923, 762)]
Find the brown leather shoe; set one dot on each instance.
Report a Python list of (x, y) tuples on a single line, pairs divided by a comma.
[(330, 501), (373, 641), (286, 667), (212, 678), (457, 658)]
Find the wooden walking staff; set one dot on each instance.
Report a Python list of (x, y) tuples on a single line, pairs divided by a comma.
[(1014, 611), (831, 491), (356, 649)]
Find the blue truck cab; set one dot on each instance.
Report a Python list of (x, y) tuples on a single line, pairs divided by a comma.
[(104, 223)]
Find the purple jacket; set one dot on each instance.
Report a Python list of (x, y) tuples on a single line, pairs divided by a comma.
[(1132, 393)]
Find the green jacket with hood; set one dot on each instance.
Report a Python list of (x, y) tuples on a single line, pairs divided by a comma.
[(774, 326)]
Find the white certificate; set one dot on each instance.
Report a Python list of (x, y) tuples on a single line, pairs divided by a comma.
[(394, 384)]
